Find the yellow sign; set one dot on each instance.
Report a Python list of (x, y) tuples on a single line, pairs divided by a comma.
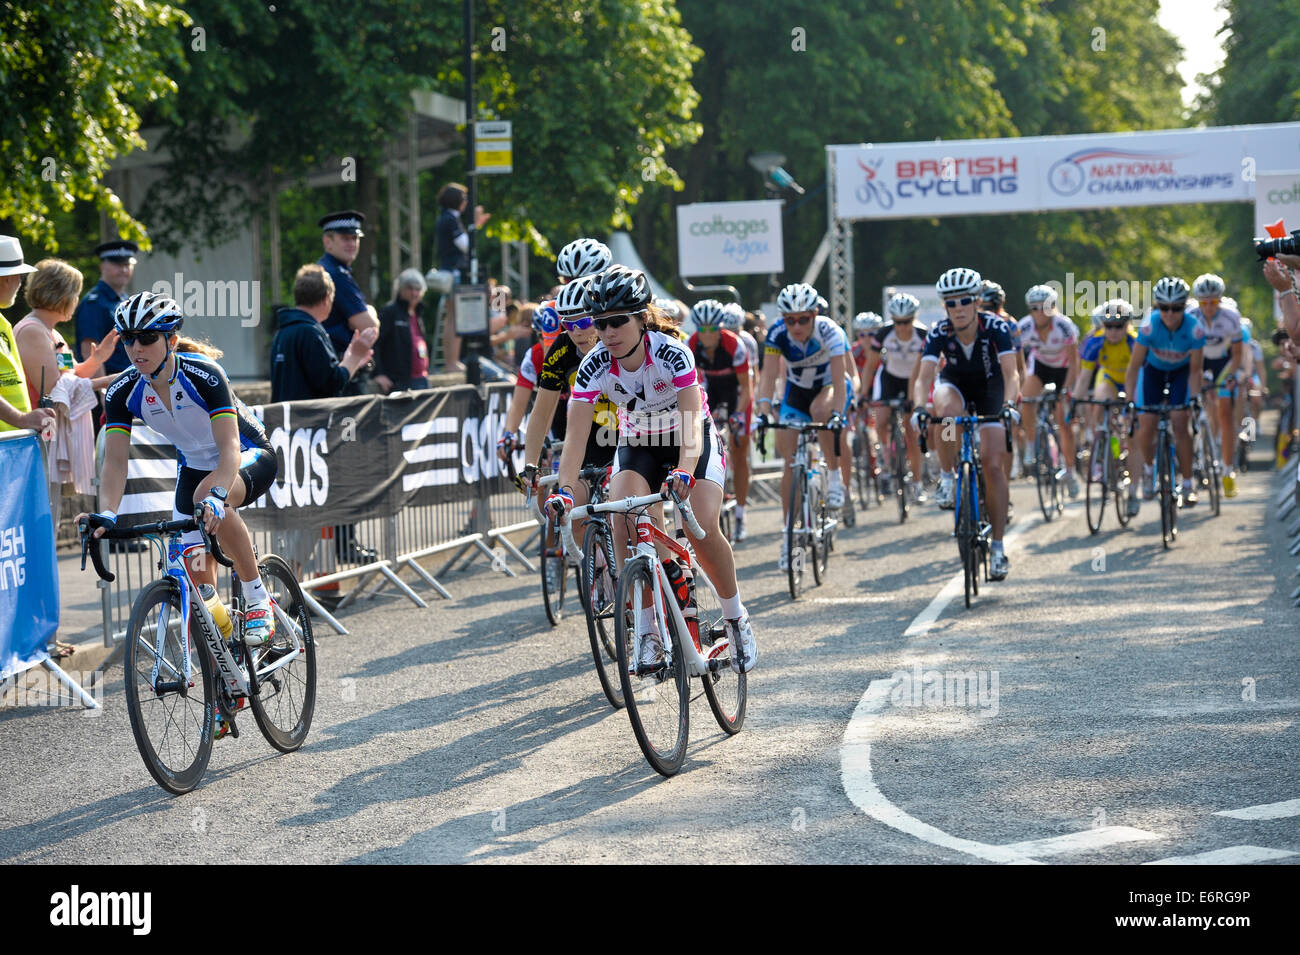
[(493, 146)]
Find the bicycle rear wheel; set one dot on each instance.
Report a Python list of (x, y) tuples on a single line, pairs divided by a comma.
[(862, 466), (966, 529), (819, 538), (796, 533), (286, 698), (1210, 454), (1099, 466), (553, 573), (1044, 472), (726, 690), (1167, 505), (600, 583), (658, 703), (172, 728)]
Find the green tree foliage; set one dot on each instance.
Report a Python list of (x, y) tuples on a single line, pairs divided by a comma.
[(74, 77)]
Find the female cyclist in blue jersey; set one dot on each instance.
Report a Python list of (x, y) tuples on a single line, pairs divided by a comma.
[(816, 358), (1167, 352), (224, 459)]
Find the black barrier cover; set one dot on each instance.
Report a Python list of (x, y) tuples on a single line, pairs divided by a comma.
[(343, 460)]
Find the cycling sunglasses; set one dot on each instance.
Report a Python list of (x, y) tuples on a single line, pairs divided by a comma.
[(1114, 324), (614, 321), (576, 324), (1171, 308), (144, 338), (804, 320), (955, 302), (708, 328)]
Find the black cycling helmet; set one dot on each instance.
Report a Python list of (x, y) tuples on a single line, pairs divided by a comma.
[(617, 289)]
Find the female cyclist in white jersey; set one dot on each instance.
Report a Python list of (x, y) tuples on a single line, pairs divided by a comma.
[(664, 432)]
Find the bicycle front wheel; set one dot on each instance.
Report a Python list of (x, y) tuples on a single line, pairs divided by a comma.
[(1099, 466), (819, 537), (658, 700), (286, 692), (1168, 506), (600, 583), (967, 530), (726, 690), (1211, 456), (1044, 471), (553, 574), (172, 720)]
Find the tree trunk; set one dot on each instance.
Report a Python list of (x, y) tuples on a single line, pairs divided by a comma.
[(364, 269)]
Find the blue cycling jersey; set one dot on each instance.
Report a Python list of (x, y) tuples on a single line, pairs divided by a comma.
[(1167, 349)]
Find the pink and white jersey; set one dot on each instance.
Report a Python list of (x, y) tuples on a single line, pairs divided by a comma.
[(648, 395), (1052, 348)]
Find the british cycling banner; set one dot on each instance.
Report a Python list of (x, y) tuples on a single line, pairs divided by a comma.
[(1030, 174), (29, 577)]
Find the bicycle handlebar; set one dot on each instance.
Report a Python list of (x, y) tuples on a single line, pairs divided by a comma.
[(624, 506), (1005, 417), (143, 530)]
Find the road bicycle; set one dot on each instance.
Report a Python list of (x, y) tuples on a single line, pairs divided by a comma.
[(179, 672), (1207, 465), (1049, 461), (971, 527), (894, 448), (657, 694), (1166, 462), (550, 555), (809, 528), (598, 577), (1108, 473), (866, 457)]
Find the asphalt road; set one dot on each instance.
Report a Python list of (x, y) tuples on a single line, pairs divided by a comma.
[(1130, 695)]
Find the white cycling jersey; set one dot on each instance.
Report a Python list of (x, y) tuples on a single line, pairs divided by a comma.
[(647, 395), (1050, 349), (898, 357), (1220, 331)]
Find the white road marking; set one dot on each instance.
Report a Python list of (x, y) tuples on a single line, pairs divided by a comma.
[(850, 600), (860, 786), (1268, 810), (1084, 841), (1233, 855)]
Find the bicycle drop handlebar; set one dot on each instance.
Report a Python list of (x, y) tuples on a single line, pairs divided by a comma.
[(624, 506), (1006, 417), (142, 530)]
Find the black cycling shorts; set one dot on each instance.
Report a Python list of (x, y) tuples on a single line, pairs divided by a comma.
[(654, 461), (985, 394), (257, 467)]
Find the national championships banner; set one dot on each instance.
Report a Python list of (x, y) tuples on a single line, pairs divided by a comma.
[(973, 176)]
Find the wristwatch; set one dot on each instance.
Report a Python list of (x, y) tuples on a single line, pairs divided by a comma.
[(220, 493)]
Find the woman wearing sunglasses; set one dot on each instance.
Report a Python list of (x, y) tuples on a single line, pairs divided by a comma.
[(664, 434), (555, 373), (1051, 344), (224, 458), (814, 351), (1168, 351), (980, 372)]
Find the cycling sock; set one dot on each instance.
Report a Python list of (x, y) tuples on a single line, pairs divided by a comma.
[(254, 591), (947, 476), (647, 622), (835, 479), (996, 546), (732, 608), (740, 511)]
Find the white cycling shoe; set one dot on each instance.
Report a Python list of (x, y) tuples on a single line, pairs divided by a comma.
[(946, 496), (652, 650), (741, 636), (999, 566), (835, 496)]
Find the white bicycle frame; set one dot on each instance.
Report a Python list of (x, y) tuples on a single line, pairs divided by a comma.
[(235, 681), (697, 663)]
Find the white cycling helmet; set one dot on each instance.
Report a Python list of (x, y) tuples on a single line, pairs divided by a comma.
[(1114, 310), (570, 301), (1043, 295), (823, 306), (800, 297), (1097, 313), (1208, 285), (1247, 324), (708, 312), (670, 308), (583, 257), (147, 311), (959, 282), (1170, 290), (901, 305), (1228, 301), (733, 317), (866, 321)]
